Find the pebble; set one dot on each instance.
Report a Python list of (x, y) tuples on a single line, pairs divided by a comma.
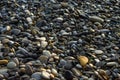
[(43, 59), (36, 75), (112, 64), (54, 71), (46, 53), (59, 19), (76, 72), (2, 62), (11, 65), (29, 20), (68, 75), (96, 19), (44, 44), (3, 70), (15, 31), (98, 52), (45, 75), (62, 62)]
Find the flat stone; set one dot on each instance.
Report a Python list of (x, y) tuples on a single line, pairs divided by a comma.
[(112, 64), (45, 75), (11, 65), (96, 19), (36, 75)]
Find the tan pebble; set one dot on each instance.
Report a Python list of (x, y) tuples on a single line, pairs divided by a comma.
[(52, 76), (3, 61), (83, 60)]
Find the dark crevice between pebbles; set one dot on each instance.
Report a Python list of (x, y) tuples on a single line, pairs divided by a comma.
[(59, 39)]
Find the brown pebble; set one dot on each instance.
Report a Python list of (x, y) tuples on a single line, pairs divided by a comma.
[(3, 62)]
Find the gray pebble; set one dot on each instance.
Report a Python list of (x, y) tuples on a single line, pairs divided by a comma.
[(112, 64), (2, 71), (11, 65), (46, 53), (15, 31), (62, 62), (43, 59), (96, 19), (98, 52), (36, 75)]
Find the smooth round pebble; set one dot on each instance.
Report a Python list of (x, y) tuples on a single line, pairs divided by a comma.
[(11, 65)]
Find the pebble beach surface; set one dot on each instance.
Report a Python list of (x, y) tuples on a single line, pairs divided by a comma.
[(59, 39)]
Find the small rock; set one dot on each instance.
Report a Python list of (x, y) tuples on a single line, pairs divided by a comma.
[(54, 71), (96, 19), (43, 59), (3, 70), (46, 53), (62, 62), (112, 64), (68, 65), (83, 60), (98, 52), (11, 65), (36, 75), (45, 75), (2, 62), (44, 44), (15, 31), (68, 75), (29, 69), (76, 72), (64, 4), (59, 19), (29, 20)]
